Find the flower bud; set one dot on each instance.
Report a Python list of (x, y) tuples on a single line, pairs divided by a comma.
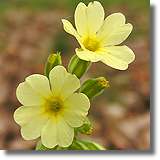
[(78, 66), (52, 61), (93, 87), (86, 128)]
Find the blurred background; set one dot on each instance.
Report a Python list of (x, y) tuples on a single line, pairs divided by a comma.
[(31, 29)]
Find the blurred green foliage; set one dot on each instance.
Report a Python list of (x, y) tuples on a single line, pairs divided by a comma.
[(137, 12), (49, 4), (137, 9)]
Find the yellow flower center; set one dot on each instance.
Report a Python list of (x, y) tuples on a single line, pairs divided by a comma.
[(53, 106), (91, 44)]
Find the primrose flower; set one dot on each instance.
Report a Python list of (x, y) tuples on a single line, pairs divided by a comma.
[(98, 37), (51, 113)]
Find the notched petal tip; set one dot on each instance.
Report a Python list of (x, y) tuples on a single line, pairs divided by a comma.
[(95, 3)]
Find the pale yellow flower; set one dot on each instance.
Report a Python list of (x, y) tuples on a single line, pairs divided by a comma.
[(51, 113), (98, 37)]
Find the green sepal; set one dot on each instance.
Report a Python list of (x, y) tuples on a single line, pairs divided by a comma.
[(52, 61), (86, 128), (77, 66), (93, 87)]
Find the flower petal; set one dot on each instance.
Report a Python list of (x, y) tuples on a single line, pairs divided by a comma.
[(49, 133), (88, 55), (34, 90), (81, 20), (89, 19), (57, 76), (57, 132), (69, 29), (63, 83), (117, 36), (65, 133), (114, 30), (31, 119), (70, 85), (76, 108), (117, 57), (111, 23), (40, 84)]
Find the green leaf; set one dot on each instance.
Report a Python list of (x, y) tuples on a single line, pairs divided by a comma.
[(85, 145), (93, 145)]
